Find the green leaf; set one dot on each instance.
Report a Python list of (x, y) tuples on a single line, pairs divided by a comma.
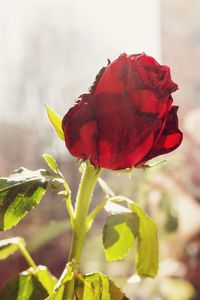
[(56, 122), (58, 181), (147, 250), (66, 276), (46, 278), (93, 286), (10, 246), (51, 162), (24, 287), (97, 286), (56, 295), (119, 235), (19, 193), (147, 246), (33, 284)]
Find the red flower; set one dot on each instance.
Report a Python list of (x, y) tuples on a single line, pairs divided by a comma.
[(127, 117)]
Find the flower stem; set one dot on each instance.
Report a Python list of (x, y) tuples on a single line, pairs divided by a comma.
[(83, 200)]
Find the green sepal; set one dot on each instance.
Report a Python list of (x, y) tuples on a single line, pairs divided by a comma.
[(56, 121), (152, 165)]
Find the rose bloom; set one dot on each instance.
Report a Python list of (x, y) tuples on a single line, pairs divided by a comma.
[(127, 117)]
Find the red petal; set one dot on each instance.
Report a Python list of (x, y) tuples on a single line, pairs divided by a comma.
[(80, 130), (155, 76), (170, 138), (110, 81), (124, 135), (146, 101)]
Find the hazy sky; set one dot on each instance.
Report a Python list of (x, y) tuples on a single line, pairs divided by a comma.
[(51, 50)]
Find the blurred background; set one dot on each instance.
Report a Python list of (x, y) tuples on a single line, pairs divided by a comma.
[(50, 52)]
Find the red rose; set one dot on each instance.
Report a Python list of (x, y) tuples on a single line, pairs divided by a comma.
[(127, 117)]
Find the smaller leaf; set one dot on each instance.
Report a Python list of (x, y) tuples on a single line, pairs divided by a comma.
[(119, 235), (51, 162), (56, 295), (46, 278), (66, 276), (93, 286), (56, 122), (97, 286), (10, 246), (32, 284), (147, 246), (147, 250)]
